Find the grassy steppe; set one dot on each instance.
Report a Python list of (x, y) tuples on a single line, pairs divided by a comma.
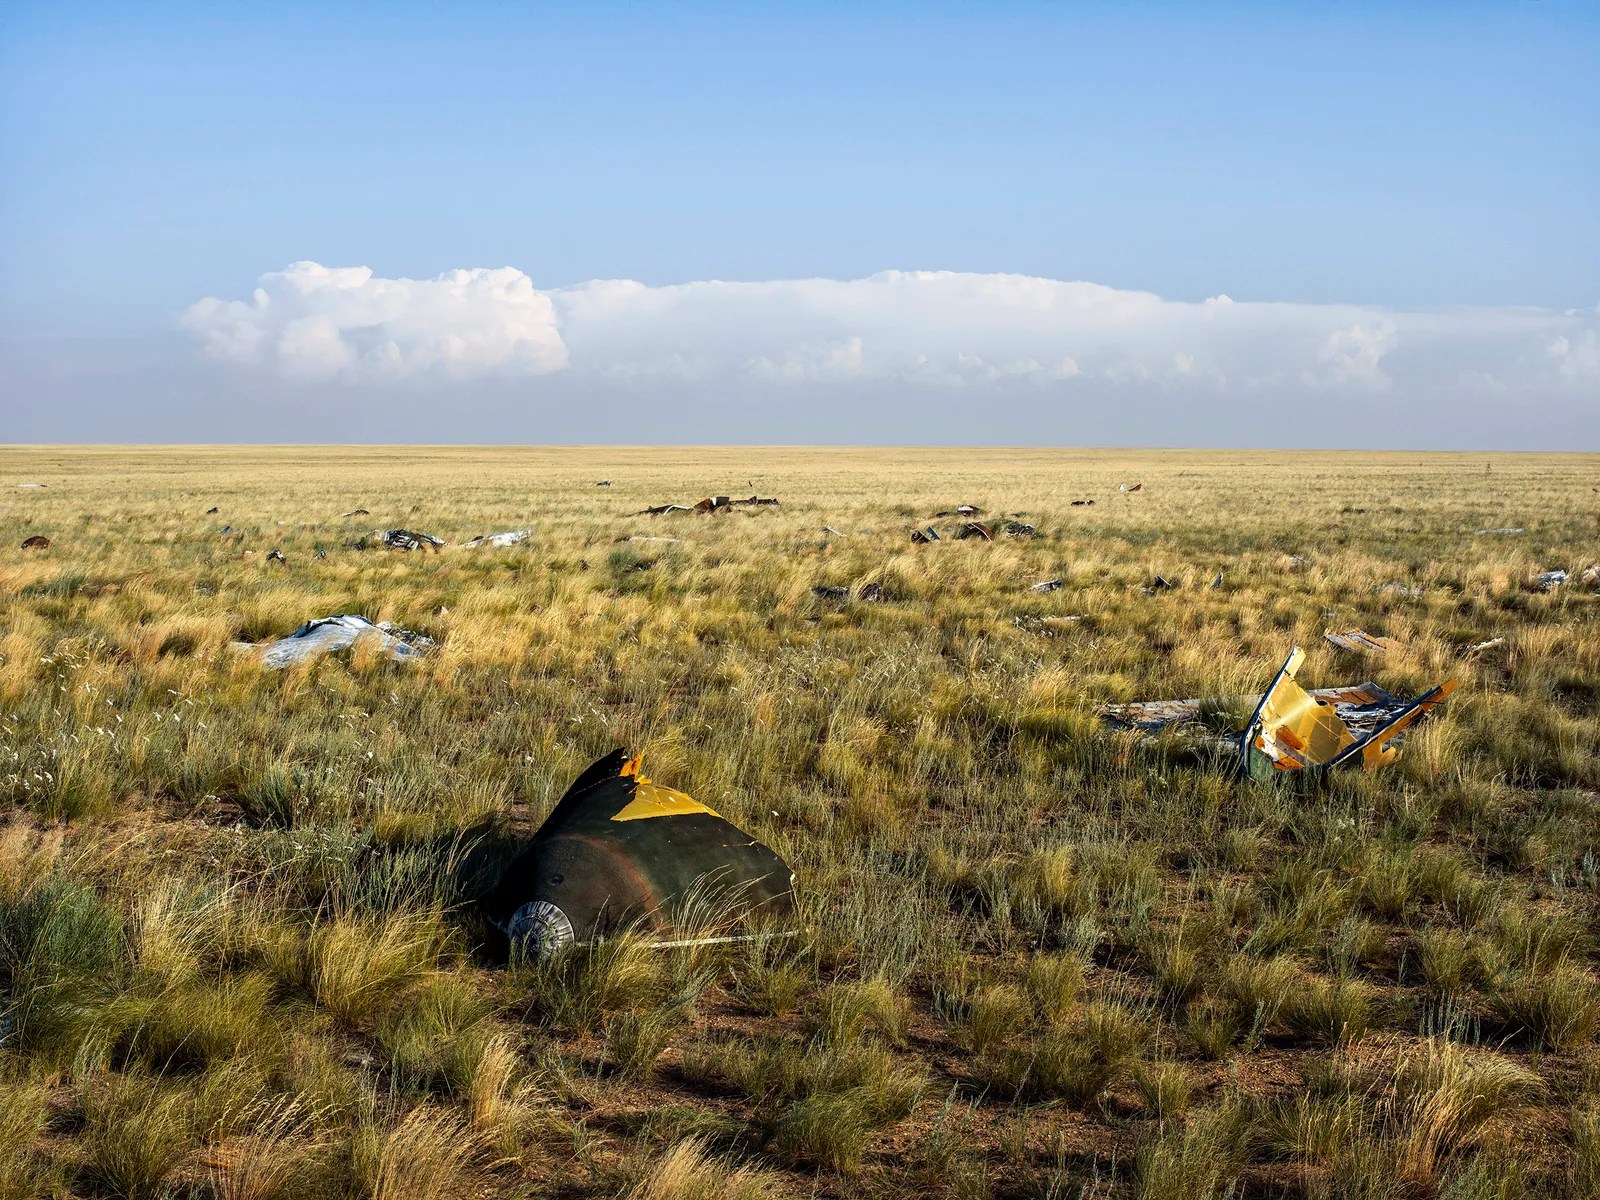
[(1042, 959)]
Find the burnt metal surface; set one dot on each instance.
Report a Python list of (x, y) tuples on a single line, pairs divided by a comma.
[(618, 851)]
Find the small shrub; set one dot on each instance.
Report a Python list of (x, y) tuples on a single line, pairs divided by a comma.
[(1557, 1010), (688, 1171)]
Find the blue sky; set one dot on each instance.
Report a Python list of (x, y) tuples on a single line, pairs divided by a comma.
[(1407, 158)]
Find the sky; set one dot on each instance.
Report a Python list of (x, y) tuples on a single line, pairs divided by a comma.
[(1074, 223)]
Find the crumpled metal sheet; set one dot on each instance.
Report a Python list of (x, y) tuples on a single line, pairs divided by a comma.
[(509, 538), (1291, 729), (409, 539), (330, 634)]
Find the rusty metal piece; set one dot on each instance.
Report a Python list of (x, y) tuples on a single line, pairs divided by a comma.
[(620, 851), (974, 529), (1082, 503), (37, 542), (1361, 642), (356, 512), (712, 504), (1020, 529), (277, 557), (921, 536), (663, 509), (212, 509)]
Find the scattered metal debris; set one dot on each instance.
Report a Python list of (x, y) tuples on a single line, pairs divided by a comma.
[(662, 509), (1044, 626), (930, 534), (409, 539), (212, 510), (833, 531), (870, 593), (620, 851), (356, 512), (640, 537), (1549, 580), (1217, 582), (510, 538), (226, 529), (602, 483), (1082, 503), (320, 555), (1410, 591), (1020, 529), (1502, 530), (757, 501), (37, 542), (712, 504), (33, 485), (1591, 575), (1136, 487), (1291, 729), (1159, 584), (330, 634), (1049, 585), (1362, 642), (277, 557), (1478, 648), (974, 529), (961, 510)]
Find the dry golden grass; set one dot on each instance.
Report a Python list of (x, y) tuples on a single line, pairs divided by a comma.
[(1041, 958)]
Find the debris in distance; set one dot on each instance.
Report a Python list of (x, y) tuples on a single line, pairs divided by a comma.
[(1136, 487), (602, 483), (1217, 582), (320, 555), (1409, 590), (213, 509), (1362, 642), (356, 512), (1049, 585), (277, 556), (1503, 529), (1291, 729), (37, 542), (33, 485), (330, 634), (1044, 626), (409, 539), (1159, 584), (713, 504), (510, 538), (1020, 529), (1478, 648), (870, 593), (660, 509), (1082, 503), (930, 534), (757, 501), (226, 529), (1548, 580), (961, 510), (620, 851), (973, 529), (833, 531), (640, 537), (1591, 575)]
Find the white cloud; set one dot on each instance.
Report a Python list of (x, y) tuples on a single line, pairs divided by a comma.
[(934, 329), (309, 322)]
